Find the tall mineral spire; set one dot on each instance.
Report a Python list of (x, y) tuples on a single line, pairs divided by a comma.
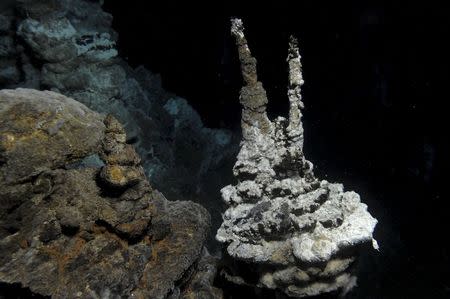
[(248, 62), (304, 235), (253, 97), (295, 128)]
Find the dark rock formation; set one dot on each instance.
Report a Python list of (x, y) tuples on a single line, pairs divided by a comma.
[(70, 47), (78, 218), (201, 284), (284, 228)]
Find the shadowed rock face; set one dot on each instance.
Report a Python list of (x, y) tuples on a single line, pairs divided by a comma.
[(289, 230), (78, 217)]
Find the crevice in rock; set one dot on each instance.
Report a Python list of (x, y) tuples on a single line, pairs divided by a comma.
[(184, 281), (69, 231), (12, 229), (108, 190), (132, 140), (17, 291)]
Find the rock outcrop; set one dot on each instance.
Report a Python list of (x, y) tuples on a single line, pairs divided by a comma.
[(78, 218), (284, 228), (70, 47), (201, 285)]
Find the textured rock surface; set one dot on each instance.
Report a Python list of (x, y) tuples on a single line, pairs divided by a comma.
[(70, 47), (78, 218), (201, 284), (294, 232)]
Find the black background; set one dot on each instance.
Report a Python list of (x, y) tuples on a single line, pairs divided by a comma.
[(376, 87)]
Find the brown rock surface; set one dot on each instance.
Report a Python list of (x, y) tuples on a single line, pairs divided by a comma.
[(67, 230)]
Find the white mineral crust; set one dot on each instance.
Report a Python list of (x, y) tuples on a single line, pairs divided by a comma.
[(303, 234)]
